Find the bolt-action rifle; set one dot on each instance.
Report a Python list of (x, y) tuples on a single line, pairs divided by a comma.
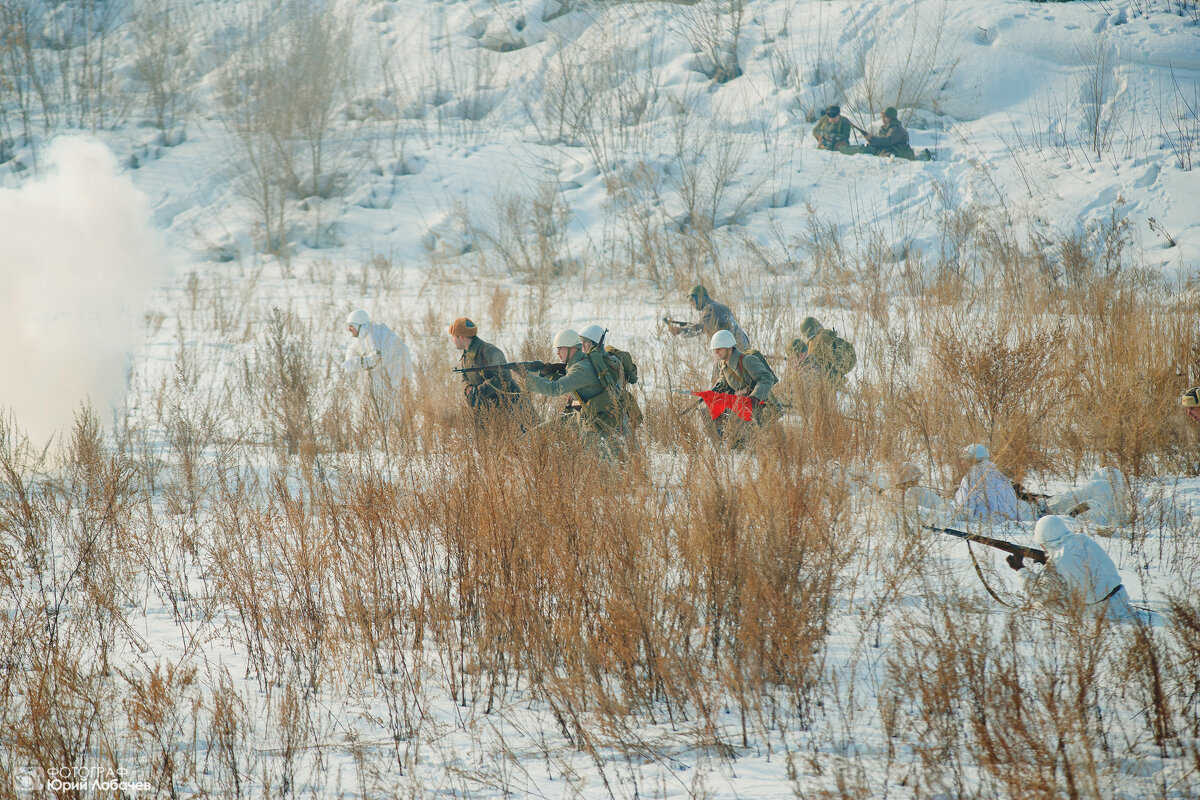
[(1018, 550), (545, 367)]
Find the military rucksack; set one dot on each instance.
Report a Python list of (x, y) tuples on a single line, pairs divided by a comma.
[(844, 358), (628, 368), (763, 359)]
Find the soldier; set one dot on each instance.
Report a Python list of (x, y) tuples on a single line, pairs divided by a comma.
[(892, 139), (487, 389), (382, 355), (590, 404), (1077, 572), (619, 363), (821, 353), (745, 374), (832, 131), (1191, 403), (714, 317), (985, 493)]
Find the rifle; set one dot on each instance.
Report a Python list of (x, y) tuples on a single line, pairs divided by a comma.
[(555, 368), (1018, 550), (860, 130), (677, 322)]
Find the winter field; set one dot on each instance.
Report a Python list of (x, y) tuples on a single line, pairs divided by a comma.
[(222, 576)]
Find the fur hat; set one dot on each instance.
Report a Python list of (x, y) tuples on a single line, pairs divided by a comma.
[(463, 327)]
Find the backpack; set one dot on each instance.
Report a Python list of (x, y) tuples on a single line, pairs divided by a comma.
[(628, 368), (844, 358), (763, 359)]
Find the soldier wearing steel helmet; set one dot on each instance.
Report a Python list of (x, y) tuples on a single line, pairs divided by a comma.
[(714, 317), (745, 374), (892, 139), (590, 404), (617, 372), (378, 352)]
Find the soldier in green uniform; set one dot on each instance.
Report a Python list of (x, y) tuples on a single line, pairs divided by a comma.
[(832, 131), (609, 360), (485, 390), (590, 405), (822, 354), (714, 317), (892, 139), (745, 374)]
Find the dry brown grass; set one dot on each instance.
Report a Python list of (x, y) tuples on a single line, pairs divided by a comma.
[(493, 572)]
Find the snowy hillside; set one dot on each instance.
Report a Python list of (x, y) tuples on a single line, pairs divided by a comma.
[(225, 577)]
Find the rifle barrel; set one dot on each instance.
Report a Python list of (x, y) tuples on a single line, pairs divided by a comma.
[(1032, 553)]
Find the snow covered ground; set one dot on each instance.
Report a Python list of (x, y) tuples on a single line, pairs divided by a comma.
[(538, 165)]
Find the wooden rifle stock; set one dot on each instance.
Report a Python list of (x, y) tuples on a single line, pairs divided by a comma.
[(1032, 553)]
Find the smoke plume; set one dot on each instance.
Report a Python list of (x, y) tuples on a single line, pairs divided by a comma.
[(78, 257)]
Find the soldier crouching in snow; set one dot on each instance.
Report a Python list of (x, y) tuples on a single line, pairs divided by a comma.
[(382, 355), (1077, 573)]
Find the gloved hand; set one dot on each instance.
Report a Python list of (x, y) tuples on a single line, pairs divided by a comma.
[(1015, 561), (370, 360)]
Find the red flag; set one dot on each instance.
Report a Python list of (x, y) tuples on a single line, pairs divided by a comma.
[(719, 402)]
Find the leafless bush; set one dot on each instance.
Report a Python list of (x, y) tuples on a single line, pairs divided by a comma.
[(162, 33), (281, 90), (1179, 121), (714, 30), (903, 67), (1100, 101)]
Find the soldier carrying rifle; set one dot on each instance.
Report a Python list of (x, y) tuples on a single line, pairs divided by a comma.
[(487, 383), (832, 130), (714, 317), (593, 402)]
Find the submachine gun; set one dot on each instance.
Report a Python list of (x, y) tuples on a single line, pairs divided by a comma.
[(543, 367)]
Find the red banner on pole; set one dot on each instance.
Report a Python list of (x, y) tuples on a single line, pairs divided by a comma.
[(719, 402)]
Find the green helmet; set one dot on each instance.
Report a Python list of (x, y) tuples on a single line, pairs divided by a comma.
[(810, 327), (890, 112), (698, 291), (797, 348)]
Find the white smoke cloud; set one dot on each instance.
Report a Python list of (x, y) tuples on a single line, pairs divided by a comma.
[(78, 258)]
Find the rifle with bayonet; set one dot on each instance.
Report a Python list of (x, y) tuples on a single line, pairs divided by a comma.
[(1016, 551), (544, 367)]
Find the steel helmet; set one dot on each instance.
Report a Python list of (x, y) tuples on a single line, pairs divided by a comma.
[(722, 338), (809, 327), (593, 333), (357, 319), (977, 452), (567, 337), (1049, 530)]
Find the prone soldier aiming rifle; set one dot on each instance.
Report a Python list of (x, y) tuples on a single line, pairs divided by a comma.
[(1016, 552)]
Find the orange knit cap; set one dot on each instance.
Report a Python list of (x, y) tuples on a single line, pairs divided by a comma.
[(463, 327)]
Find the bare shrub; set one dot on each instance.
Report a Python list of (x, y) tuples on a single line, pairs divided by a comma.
[(714, 30), (1099, 98), (162, 33), (281, 90), (903, 67)]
